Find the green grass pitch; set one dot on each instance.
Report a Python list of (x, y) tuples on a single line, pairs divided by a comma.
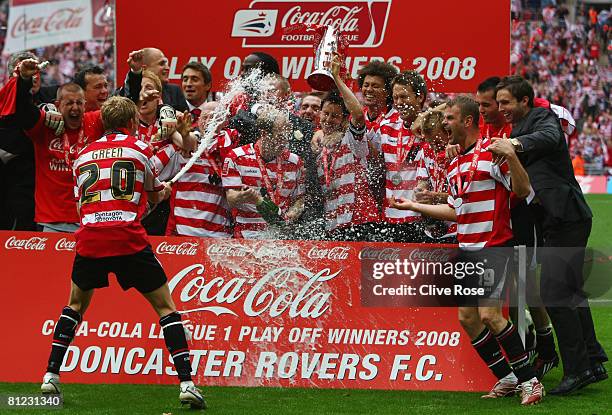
[(157, 400)]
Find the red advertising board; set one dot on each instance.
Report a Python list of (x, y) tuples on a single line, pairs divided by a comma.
[(455, 47), (593, 184), (262, 313)]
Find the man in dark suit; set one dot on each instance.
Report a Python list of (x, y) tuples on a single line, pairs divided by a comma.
[(566, 219), (154, 60)]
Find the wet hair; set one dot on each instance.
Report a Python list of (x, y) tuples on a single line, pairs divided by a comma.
[(283, 82), (80, 76), (267, 120), (415, 81), (518, 87), (382, 69), (200, 67), (267, 63), (467, 107), (334, 97), (489, 84), (432, 120)]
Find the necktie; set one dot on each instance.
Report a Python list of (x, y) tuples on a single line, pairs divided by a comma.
[(195, 114)]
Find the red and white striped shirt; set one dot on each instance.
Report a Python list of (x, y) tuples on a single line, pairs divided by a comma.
[(432, 169), (372, 126), (112, 176), (241, 168), (348, 199), (198, 206), (401, 178), (483, 207), (146, 134)]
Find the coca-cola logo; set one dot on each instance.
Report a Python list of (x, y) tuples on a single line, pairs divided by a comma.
[(35, 243), (291, 291), (65, 245), (337, 253), (362, 21), (380, 254), (440, 255), (57, 144), (343, 18), (229, 250), (265, 250), (185, 248), (62, 19)]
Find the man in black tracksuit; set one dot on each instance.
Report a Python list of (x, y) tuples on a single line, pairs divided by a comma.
[(561, 210)]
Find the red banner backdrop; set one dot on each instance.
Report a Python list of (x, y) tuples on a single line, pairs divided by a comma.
[(262, 313), (593, 184), (454, 45)]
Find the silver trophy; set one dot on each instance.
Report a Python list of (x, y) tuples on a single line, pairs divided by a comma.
[(321, 78)]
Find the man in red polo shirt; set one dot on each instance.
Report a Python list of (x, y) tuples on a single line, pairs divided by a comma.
[(55, 150)]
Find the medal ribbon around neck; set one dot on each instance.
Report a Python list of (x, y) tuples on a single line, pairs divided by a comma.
[(461, 188), (274, 195), (70, 155)]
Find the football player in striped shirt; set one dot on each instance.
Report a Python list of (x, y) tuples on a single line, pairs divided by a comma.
[(264, 178), (539, 341), (401, 149), (432, 188), (350, 209), (198, 206), (113, 179), (479, 201)]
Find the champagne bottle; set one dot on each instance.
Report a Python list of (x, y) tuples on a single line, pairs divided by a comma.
[(269, 210)]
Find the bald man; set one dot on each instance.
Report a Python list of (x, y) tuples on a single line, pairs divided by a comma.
[(154, 60)]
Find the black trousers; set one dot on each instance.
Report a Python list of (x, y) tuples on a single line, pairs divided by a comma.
[(561, 288), (17, 194)]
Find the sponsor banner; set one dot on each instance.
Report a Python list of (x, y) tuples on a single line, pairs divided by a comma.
[(399, 32), (101, 21), (262, 313), (610, 185), (593, 184), (42, 24)]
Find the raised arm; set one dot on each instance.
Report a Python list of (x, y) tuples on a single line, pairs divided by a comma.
[(350, 100), (26, 113)]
